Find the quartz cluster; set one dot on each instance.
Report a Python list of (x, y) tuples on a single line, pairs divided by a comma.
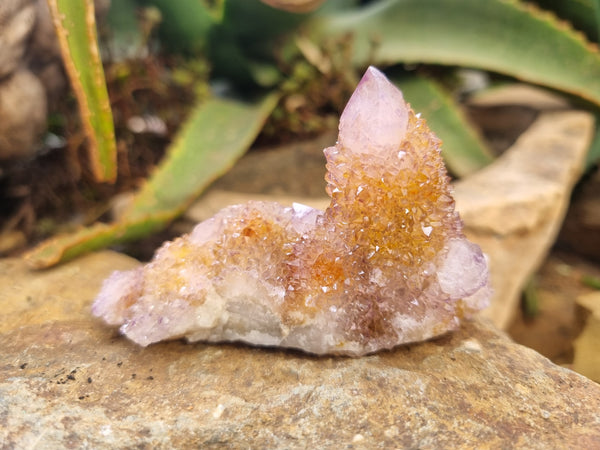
[(386, 263)]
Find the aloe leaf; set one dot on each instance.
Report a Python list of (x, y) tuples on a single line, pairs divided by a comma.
[(216, 135), (591, 281), (531, 300), (218, 132), (100, 235), (504, 36), (76, 30), (462, 149), (583, 14)]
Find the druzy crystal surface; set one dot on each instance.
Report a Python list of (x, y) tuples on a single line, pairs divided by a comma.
[(386, 263)]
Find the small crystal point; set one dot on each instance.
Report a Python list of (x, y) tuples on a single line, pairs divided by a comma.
[(385, 264), (379, 124)]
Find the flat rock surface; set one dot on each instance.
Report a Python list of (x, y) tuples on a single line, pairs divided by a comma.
[(67, 381), (514, 207)]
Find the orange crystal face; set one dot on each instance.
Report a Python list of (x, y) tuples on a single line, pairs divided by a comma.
[(385, 264)]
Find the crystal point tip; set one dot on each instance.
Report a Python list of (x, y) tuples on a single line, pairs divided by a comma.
[(376, 117)]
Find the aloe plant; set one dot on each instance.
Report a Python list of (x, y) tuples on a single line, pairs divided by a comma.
[(505, 36)]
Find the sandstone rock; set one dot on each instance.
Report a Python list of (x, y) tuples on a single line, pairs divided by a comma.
[(22, 97), (43, 56), (43, 46), (22, 114), (296, 169), (17, 18), (514, 208), (66, 381)]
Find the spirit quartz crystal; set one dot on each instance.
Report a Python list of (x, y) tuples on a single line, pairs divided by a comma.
[(385, 264)]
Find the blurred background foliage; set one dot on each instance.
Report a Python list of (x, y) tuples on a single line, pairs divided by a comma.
[(248, 68)]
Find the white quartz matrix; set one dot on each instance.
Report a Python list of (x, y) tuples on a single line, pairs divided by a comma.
[(385, 264)]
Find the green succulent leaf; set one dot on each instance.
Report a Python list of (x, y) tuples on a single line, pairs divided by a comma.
[(100, 235), (462, 149), (218, 132), (504, 36), (76, 29), (583, 14)]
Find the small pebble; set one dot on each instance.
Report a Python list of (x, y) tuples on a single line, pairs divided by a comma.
[(471, 345), (358, 438), (218, 411)]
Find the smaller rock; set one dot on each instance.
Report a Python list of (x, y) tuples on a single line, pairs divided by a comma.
[(22, 114), (514, 208), (43, 56), (17, 18)]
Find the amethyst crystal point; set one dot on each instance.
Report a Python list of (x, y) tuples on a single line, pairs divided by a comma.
[(379, 125), (385, 264)]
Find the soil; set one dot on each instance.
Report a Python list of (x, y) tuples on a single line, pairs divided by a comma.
[(556, 320)]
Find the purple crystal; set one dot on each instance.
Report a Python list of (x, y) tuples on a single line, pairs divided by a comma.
[(385, 264)]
